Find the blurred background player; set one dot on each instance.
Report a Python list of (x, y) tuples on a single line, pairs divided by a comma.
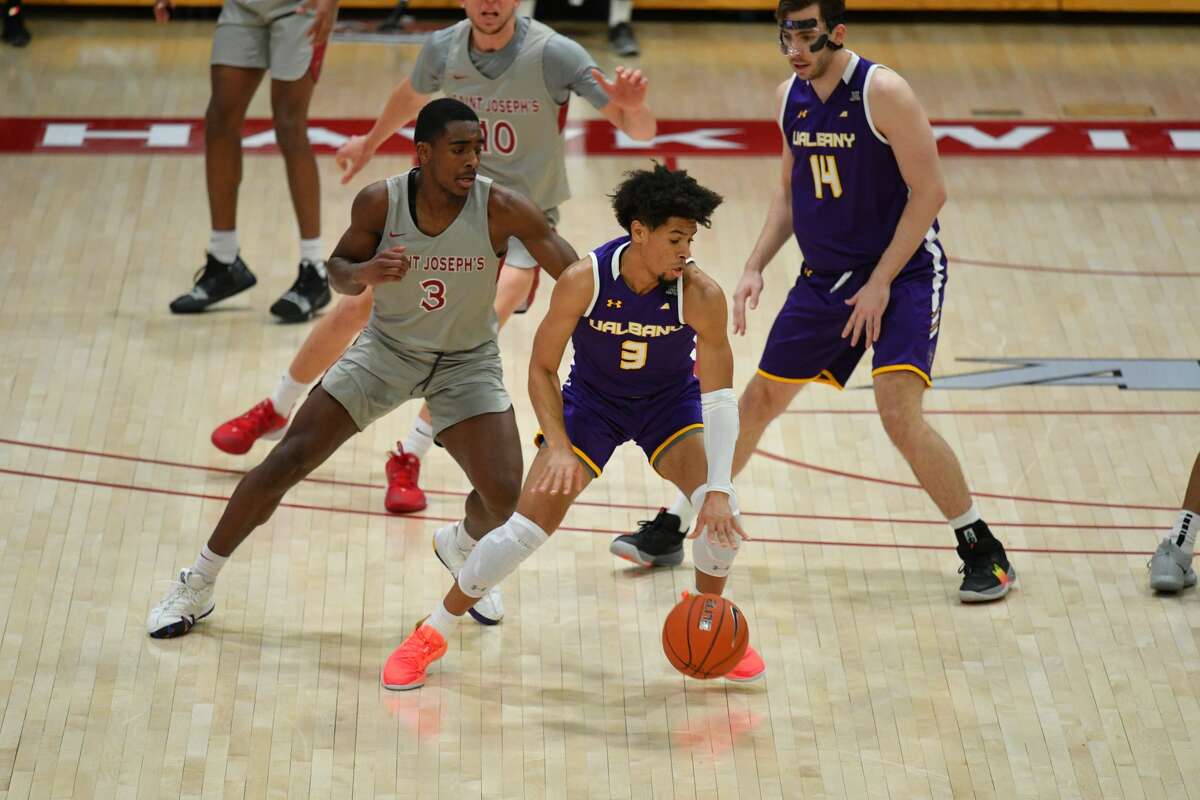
[(492, 55), (620, 24), (1171, 567), (254, 36), (635, 310), (15, 32), (432, 335), (862, 186)]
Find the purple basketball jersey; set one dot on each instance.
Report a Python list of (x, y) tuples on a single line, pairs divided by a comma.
[(629, 344), (847, 190)]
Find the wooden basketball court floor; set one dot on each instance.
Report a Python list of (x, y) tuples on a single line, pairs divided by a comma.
[(879, 684)]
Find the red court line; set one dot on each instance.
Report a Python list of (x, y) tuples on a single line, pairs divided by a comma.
[(1017, 498), (603, 531), (1006, 412), (1112, 273), (623, 506)]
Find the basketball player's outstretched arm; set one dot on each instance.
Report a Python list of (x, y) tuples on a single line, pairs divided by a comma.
[(627, 109), (900, 119), (776, 230), (354, 264), (570, 300), (402, 105), (704, 309), (512, 214)]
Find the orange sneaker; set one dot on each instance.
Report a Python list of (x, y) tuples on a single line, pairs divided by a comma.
[(405, 667), (749, 669), (403, 496)]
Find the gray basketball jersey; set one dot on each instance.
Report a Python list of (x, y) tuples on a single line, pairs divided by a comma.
[(444, 302), (523, 143)]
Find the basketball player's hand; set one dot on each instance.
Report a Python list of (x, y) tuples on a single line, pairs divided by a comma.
[(387, 266), (717, 517), (162, 10), (563, 474), (352, 157), (748, 289), (866, 319), (627, 91), (322, 12)]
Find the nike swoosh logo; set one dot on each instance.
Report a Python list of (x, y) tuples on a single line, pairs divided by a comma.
[(395, 235), (459, 77)]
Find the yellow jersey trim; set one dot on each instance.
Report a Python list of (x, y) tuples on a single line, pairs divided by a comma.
[(674, 437), (903, 368), (826, 377), (539, 438)]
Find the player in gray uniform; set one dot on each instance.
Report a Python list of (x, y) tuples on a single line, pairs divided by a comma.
[(518, 75), (287, 37), (430, 243)]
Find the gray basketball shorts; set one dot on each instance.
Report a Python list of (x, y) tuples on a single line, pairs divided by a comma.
[(518, 256), (371, 379), (246, 37)]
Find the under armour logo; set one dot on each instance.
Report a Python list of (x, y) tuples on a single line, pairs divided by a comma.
[(613, 303), (844, 114), (803, 113), (808, 273), (665, 307), (856, 97)]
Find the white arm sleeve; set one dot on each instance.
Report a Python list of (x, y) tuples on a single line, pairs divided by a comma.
[(720, 435)]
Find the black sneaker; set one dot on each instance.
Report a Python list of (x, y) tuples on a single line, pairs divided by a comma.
[(987, 575), (15, 32), (308, 295), (657, 543), (216, 281), (622, 40)]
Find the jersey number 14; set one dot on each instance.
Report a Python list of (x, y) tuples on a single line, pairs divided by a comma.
[(825, 173)]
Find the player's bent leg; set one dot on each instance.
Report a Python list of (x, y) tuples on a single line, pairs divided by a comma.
[(488, 449), (326, 342), (762, 401), (987, 573), (322, 425), (659, 542)]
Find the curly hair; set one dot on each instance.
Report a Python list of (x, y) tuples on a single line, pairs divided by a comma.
[(652, 196)]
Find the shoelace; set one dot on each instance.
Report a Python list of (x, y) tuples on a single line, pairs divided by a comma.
[(259, 416), (182, 596), (404, 468)]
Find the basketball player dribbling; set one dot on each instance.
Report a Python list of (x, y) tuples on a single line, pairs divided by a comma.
[(253, 36), (430, 242), (635, 310), (518, 75), (861, 189)]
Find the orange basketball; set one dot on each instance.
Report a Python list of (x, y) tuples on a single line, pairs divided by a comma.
[(705, 636)]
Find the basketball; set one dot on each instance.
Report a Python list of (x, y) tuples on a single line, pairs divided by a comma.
[(705, 636)]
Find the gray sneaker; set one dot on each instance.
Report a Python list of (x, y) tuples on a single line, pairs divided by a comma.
[(1171, 568)]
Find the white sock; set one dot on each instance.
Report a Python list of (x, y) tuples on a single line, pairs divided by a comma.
[(286, 393), (1185, 530), (442, 621), (419, 439), (619, 11), (223, 245), (463, 539), (208, 564), (311, 250), (682, 508), (968, 517)]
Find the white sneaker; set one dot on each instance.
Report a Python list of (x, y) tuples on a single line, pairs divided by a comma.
[(1171, 568), (189, 601), (490, 608)]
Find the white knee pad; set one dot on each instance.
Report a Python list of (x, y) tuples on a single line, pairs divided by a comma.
[(498, 554), (712, 559)]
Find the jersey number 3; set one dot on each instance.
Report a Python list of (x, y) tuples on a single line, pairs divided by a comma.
[(435, 294), (633, 355), (825, 173)]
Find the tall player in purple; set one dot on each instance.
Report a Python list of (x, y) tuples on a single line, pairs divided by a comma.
[(635, 310), (861, 189)]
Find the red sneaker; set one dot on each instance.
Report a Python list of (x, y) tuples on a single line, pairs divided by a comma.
[(749, 669), (406, 666), (404, 496), (240, 433), (521, 309)]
